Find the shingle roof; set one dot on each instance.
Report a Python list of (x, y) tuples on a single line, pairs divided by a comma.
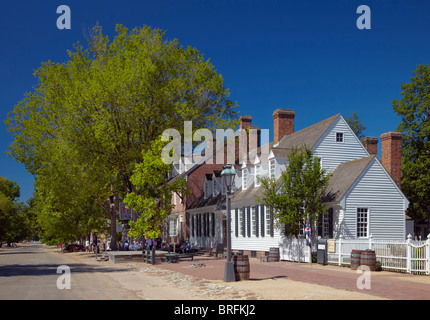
[(344, 176)]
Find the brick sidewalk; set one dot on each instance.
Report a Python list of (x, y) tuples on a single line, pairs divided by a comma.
[(384, 284)]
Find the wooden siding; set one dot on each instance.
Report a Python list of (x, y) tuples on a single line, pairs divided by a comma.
[(375, 190), (333, 153), (261, 241)]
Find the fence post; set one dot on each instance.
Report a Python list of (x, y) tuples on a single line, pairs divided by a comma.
[(428, 255), (408, 254), (370, 242), (340, 249)]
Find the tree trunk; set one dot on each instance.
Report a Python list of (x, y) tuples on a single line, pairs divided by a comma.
[(112, 211)]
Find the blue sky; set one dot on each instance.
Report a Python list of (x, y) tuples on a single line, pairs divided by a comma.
[(304, 55)]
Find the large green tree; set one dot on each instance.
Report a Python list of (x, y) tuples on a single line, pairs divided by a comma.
[(16, 221), (299, 193), (153, 196), (98, 111), (414, 110), (356, 124)]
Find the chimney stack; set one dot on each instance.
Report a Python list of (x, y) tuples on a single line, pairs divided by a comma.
[(245, 122), (371, 144), (391, 143), (283, 123)]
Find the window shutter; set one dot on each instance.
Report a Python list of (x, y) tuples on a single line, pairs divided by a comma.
[(207, 224), (236, 225), (256, 220), (271, 223), (330, 222), (213, 224), (262, 217), (320, 225), (243, 223), (248, 222)]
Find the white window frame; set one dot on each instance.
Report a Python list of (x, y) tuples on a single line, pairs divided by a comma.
[(272, 167), (257, 169), (241, 224), (343, 137), (244, 178), (253, 224), (173, 228), (267, 221), (360, 223)]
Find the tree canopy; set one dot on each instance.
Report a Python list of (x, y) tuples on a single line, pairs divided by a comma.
[(414, 110), (83, 127), (356, 125), (299, 193)]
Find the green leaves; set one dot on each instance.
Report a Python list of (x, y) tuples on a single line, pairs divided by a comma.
[(153, 196), (85, 125), (299, 192), (414, 110)]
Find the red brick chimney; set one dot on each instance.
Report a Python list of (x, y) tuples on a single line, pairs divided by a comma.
[(371, 144), (245, 122), (283, 123), (391, 143)]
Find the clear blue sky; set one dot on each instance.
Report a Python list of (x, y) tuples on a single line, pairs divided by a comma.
[(305, 55)]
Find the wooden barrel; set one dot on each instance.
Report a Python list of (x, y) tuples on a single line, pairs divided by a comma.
[(241, 267), (368, 258), (355, 259), (273, 255)]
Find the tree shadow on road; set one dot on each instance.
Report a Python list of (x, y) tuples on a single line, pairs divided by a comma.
[(50, 269)]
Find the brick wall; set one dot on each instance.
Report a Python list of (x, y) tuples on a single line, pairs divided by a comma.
[(391, 153), (283, 123)]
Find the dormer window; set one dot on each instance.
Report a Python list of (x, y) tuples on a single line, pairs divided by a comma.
[(244, 178), (271, 168), (214, 187), (257, 175), (339, 136)]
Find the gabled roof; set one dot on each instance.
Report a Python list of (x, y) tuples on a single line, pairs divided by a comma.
[(344, 177), (308, 136)]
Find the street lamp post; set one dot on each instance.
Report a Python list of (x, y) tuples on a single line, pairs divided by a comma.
[(228, 175)]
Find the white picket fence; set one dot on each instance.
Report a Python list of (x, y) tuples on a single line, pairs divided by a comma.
[(403, 255)]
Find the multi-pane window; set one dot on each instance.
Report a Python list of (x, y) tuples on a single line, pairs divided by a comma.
[(253, 225), (244, 178), (325, 226), (272, 168), (240, 221), (339, 136), (362, 222), (268, 221), (173, 227), (257, 174)]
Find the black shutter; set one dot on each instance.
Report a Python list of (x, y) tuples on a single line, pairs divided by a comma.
[(330, 222), (207, 224), (243, 223), (236, 225), (271, 222), (248, 224), (213, 224), (262, 216), (320, 225), (256, 220)]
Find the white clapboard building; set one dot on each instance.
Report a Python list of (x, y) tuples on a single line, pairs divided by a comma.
[(364, 195)]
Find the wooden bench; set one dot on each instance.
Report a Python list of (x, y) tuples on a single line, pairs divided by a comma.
[(183, 256)]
